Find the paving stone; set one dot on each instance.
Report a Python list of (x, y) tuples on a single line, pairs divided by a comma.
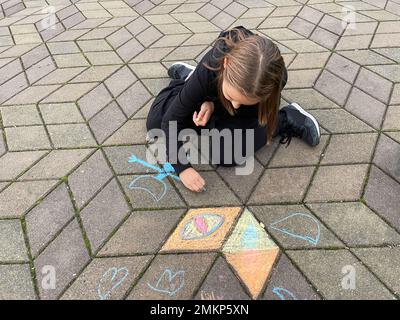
[(365, 107), (340, 121), (332, 183), (2, 143), (27, 138), (392, 120), (375, 85), (70, 93), (132, 132), (97, 281), (40, 70), (151, 55), (103, 57), (350, 148), (14, 163), (12, 243), (89, 178), (60, 76), (342, 67), (391, 53), (70, 60), (68, 255), (133, 98), (12, 86), (45, 220), (94, 45), (20, 196), (387, 156), (119, 37), (63, 47), (32, 94), (390, 71), (327, 269), (333, 87), (58, 113), (94, 101), (150, 193), (324, 38), (103, 214), (130, 49), (294, 227), (384, 262), (120, 81), (10, 70), (156, 85), (221, 284), (149, 70), (301, 26), (35, 55), (134, 236), (356, 224), (172, 277), (310, 14), (282, 185), (308, 98), (309, 60), (298, 154), (16, 282), (365, 57), (71, 135), (287, 283), (215, 186)]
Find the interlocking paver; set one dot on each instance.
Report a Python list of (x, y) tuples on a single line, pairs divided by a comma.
[(387, 156), (14, 163), (71, 136), (133, 98), (12, 243), (27, 138), (16, 282), (392, 120), (59, 113), (333, 87), (375, 85)]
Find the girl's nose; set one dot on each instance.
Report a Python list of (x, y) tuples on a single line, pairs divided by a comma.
[(235, 105)]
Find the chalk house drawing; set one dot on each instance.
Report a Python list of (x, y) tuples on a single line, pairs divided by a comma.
[(169, 282), (110, 280)]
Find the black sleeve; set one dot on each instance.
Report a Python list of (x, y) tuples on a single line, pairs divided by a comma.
[(182, 107)]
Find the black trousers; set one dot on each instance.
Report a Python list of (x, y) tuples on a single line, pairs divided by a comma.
[(163, 101)]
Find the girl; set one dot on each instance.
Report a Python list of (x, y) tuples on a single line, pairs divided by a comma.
[(236, 85)]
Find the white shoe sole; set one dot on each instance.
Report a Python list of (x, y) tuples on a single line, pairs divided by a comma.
[(187, 66), (302, 111)]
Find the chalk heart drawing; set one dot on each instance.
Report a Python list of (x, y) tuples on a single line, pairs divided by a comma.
[(110, 280), (314, 229), (201, 226), (169, 282), (283, 294), (154, 185)]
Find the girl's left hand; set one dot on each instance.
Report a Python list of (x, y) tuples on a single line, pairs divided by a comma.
[(206, 110)]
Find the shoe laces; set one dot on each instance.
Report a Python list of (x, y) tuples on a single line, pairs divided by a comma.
[(289, 130)]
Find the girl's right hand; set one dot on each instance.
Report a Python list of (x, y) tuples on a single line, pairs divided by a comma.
[(192, 180), (206, 110)]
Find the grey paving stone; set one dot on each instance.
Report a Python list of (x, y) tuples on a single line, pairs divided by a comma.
[(221, 194), (57, 164), (374, 84), (392, 119), (242, 185), (143, 232), (350, 148), (332, 183), (10, 70), (132, 132), (45, 220), (94, 101), (384, 262), (14, 163), (150, 193), (16, 282), (172, 277), (71, 136), (387, 156), (356, 224), (294, 227), (2, 143), (20, 196), (365, 57), (298, 154), (287, 283), (133, 98), (390, 71), (20, 115), (309, 60), (89, 178), (38, 53), (333, 87), (68, 255), (221, 284), (12, 243), (382, 195), (120, 81), (343, 67), (326, 269), (103, 214), (108, 120), (130, 50), (57, 113), (324, 38), (264, 155), (27, 138), (12, 86), (107, 278), (282, 185), (310, 14), (301, 26)]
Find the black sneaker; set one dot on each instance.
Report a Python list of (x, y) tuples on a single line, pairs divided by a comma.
[(180, 70), (298, 123)]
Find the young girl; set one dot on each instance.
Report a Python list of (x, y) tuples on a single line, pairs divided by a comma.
[(236, 85)]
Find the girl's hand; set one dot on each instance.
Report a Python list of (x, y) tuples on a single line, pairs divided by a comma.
[(206, 110), (192, 180)]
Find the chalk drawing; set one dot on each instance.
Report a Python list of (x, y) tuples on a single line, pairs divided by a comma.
[(283, 294), (110, 284), (313, 239), (169, 282), (166, 171), (201, 226), (204, 295)]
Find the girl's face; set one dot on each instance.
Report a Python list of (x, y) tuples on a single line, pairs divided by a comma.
[(234, 95)]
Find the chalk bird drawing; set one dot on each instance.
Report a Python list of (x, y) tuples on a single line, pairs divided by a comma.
[(145, 182), (110, 280), (201, 226), (169, 282), (283, 294), (314, 233)]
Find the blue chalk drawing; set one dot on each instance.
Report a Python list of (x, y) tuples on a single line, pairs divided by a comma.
[(114, 272), (250, 237), (283, 294), (311, 239), (166, 171), (170, 287)]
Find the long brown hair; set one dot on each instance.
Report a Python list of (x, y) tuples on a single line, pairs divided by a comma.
[(255, 67)]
